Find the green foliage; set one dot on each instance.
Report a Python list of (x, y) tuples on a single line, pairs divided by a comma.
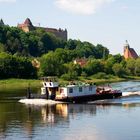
[(16, 67), (34, 43), (113, 59), (130, 66), (56, 57), (93, 66), (137, 67), (118, 70), (51, 65), (70, 76), (100, 75)]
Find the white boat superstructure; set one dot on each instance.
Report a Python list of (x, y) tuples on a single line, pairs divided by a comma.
[(77, 90)]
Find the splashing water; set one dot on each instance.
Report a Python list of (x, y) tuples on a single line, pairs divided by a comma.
[(130, 93), (38, 101)]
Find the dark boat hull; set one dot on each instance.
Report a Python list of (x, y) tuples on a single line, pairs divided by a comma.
[(88, 98)]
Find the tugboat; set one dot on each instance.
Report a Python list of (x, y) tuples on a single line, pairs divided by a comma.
[(75, 93)]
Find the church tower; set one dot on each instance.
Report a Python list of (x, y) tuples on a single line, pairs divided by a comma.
[(129, 52)]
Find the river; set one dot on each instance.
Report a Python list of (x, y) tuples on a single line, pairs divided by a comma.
[(117, 119)]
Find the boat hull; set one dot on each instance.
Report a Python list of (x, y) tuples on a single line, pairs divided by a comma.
[(88, 98)]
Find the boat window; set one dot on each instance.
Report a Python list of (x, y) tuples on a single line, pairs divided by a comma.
[(90, 88), (71, 90), (80, 89)]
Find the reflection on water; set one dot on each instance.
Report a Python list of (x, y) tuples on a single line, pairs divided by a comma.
[(28, 121), (117, 119), (69, 121)]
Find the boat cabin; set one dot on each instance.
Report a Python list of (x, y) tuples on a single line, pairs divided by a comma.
[(76, 90)]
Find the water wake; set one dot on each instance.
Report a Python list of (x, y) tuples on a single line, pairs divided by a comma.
[(130, 93), (38, 101)]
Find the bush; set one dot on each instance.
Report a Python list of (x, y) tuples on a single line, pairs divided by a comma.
[(100, 75), (70, 76)]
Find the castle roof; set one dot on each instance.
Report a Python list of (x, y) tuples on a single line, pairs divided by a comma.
[(28, 22)]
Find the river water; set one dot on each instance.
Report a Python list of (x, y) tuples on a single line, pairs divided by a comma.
[(117, 119)]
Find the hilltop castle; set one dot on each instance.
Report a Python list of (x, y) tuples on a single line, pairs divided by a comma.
[(27, 26), (129, 52)]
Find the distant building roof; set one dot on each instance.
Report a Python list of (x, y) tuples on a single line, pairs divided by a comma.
[(82, 61), (129, 52), (28, 22)]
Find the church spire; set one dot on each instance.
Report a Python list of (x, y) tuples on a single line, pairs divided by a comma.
[(126, 45)]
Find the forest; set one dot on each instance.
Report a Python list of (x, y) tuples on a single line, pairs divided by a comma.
[(56, 57)]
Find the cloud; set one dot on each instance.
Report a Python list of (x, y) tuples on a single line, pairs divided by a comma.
[(85, 7), (7, 1)]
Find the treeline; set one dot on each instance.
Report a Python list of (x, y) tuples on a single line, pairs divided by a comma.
[(39, 42), (59, 63), (56, 57)]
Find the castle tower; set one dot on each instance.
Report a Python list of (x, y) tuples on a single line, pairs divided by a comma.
[(27, 26), (129, 52), (1, 22)]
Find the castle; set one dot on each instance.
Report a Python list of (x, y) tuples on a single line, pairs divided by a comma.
[(129, 52), (27, 26)]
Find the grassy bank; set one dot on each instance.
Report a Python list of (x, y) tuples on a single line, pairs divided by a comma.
[(13, 84)]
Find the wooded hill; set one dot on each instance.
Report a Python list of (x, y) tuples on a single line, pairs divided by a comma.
[(56, 57)]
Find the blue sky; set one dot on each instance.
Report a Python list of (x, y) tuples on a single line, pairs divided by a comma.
[(107, 22)]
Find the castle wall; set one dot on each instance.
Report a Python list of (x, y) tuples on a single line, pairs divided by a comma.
[(61, 35)]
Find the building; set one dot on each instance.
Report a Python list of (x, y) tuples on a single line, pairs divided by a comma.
[(129, 52), (27, 26), (82, 61)]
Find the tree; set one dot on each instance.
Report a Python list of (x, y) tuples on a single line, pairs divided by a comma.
[(118, 70), (130, 66), (16, 67), (93, 66), (137, 67), (51, 65), (101, 52)]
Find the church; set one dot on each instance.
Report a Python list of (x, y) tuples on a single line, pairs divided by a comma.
[(129, 52)]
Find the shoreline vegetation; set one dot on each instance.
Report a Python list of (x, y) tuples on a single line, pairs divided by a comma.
[(30, 55), (16, 84)]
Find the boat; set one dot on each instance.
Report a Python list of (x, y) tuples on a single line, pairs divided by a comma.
[(75, 92)]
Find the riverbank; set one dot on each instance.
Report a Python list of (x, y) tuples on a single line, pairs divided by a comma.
[(9, 84), (13, 84)]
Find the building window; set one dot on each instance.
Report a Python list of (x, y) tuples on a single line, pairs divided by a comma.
[(80, 89), (71, 90), (90, 88)]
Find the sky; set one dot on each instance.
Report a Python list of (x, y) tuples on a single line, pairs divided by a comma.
[(106, 22)]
